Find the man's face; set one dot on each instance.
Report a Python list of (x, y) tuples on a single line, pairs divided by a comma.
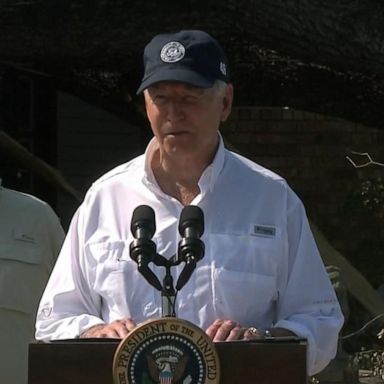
[(185, 119)]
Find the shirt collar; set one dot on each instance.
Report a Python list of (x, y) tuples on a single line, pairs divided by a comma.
[(149, 177), (211, 173), (208, 178)]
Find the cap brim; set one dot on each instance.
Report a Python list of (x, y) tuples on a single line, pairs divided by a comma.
[(176, 74)]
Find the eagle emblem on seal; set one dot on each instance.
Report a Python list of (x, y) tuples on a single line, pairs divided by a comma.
[(166, 364)]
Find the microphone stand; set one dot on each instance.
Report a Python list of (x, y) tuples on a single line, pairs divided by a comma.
[(190, 250), (168, 294), (168, 291)]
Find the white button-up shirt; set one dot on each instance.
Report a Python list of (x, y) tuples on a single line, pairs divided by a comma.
[(261, 265)]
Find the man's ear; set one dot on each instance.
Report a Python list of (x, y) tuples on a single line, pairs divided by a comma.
[(227, 102), (145, 103)]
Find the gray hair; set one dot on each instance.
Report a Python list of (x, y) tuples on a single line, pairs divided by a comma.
[(219, 87)]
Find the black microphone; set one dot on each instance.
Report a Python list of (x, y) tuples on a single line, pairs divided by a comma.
[(143, 222), (143, 250), (191, 248)]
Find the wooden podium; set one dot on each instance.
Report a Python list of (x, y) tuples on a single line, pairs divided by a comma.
[(83, 361)]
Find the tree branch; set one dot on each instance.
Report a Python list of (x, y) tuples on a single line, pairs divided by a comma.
[(367, 163)]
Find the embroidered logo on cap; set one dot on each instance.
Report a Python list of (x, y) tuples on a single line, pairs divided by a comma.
[(223, 69), (172, 52)]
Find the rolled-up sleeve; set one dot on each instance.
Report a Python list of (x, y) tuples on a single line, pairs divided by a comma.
[(68, 305)]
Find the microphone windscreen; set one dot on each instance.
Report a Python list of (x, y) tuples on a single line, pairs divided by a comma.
[(143, 217), (191, 216)]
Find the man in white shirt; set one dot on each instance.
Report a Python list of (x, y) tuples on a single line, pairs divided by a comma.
[(30, 240), (261, 271)]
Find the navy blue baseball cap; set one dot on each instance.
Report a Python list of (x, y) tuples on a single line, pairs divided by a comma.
[(192, 57)]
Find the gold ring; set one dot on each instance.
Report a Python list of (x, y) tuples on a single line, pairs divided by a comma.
[(253, 331)]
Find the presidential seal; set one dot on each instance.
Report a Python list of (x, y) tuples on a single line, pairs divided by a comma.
[(172, 52), (166, 351)]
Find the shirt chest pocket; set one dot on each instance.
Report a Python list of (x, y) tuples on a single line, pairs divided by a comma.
[(244, 253), (242, 295), (244, 275), (118, 281), (22, 275)]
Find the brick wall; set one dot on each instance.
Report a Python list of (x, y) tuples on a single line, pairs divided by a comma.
[(310, 150)]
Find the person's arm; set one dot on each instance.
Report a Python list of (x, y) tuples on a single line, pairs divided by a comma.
[(56, 235), (117, 329), (307, 304), (229, 330), (68, 306)]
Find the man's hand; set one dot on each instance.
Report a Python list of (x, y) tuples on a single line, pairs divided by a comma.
[(228, 330), (225, 330), (118, 329)]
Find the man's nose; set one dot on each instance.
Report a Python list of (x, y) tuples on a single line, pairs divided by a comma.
[(175, 110)]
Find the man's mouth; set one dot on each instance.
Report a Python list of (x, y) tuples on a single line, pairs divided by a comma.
[(176, 133)]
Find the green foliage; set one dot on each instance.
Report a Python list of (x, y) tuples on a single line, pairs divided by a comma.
[(372, 196), (357, 231)]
